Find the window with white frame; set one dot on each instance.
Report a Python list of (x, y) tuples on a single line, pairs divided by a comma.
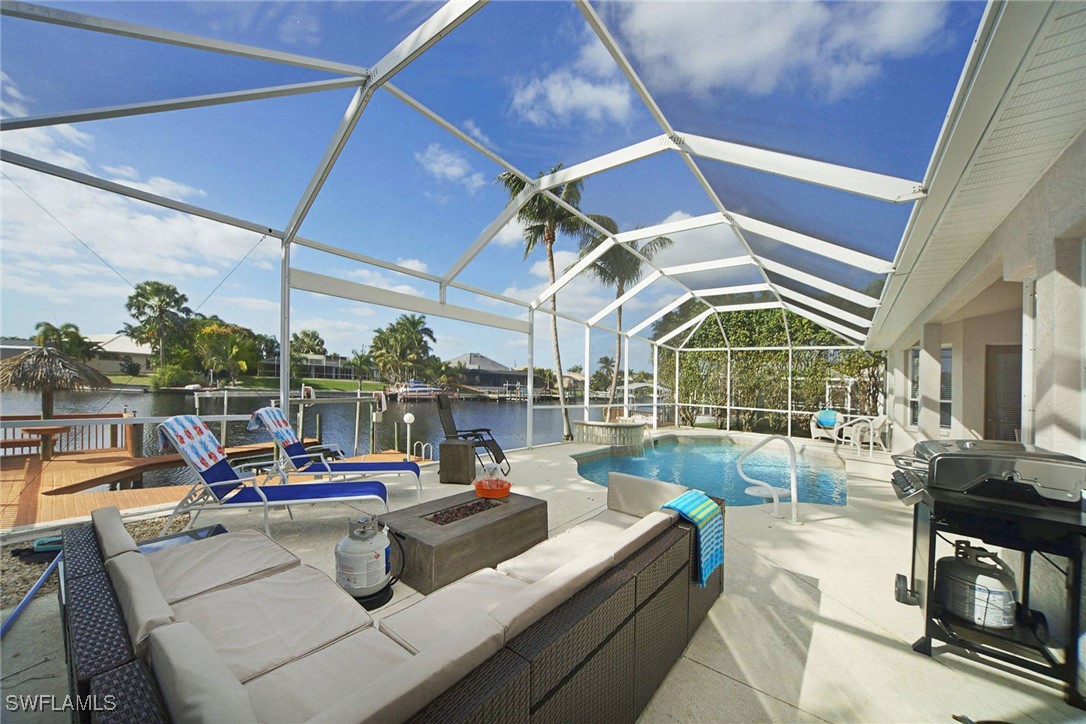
[(945, 387)]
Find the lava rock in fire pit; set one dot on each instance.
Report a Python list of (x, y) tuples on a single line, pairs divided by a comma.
[(459, 512)]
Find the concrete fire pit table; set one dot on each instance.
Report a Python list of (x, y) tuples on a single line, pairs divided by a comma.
[(436, 554)]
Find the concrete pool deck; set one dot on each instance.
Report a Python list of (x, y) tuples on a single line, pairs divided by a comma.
[(807, 628)]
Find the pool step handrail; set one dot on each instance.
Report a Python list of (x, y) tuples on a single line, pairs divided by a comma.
[(762, 489)]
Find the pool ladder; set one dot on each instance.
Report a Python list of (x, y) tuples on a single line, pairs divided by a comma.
[(762, 489)]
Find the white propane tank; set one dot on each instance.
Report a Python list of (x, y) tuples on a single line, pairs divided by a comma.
[(968, 587), (363, 566)]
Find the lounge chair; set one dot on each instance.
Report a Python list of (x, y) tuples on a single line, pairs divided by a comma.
[(862, 431), (220, 486), (304, 462), (480, 437), (825, 424)]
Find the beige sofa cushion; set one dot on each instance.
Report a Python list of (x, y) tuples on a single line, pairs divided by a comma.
[(141, 602), (634, 495), (449, 609), (113, 539), (546, 557), (631, 540), (522, 609), (409, 687), (608, 522), (265, 623), (196, 686), (221, 560), (303, 688)]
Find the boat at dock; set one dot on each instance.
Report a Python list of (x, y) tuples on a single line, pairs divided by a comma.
[(415, 390)]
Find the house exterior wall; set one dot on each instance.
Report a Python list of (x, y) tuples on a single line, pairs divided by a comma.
[(1041, 239)]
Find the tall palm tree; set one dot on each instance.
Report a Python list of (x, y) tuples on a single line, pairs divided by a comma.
[(66, 339), (160, 311), (620, 268), (543, 220), (308, 341), (361, 362), (416, 334)]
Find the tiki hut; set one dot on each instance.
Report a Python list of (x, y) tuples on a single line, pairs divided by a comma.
[(45, 370)]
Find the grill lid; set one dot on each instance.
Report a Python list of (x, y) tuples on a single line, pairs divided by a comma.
[(966, 465)]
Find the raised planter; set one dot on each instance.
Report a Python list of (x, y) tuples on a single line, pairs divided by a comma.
[(615, 434)]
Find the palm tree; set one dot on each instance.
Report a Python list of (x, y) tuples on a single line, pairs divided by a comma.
[(160, 311), (308, 341), (221, 349), (66, 339), (361, 362), (620, 268), (543, 220)]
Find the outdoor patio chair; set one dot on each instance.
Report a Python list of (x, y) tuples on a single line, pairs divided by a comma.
[(861, 430), (479, 437), (220, 487), (304, 462), (825, 424)]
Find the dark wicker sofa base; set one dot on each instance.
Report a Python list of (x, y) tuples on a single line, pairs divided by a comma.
[(601, 655), (598, 657)]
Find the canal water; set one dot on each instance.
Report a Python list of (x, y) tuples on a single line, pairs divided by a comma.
[(507, 420)]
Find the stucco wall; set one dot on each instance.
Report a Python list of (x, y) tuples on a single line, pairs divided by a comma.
[(1041, 238)]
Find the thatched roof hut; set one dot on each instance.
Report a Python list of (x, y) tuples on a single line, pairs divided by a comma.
[(45, 370)]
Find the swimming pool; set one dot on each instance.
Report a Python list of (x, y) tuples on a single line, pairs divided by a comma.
[(709, 466)]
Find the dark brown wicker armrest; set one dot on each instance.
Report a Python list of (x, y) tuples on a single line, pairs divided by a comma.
[(98, 639), (126, 695), (82, 557)]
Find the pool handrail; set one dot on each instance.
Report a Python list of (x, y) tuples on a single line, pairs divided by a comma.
[(760, 486)]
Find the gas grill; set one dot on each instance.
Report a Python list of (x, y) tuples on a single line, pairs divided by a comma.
[(1011, 496), (1009, 471)]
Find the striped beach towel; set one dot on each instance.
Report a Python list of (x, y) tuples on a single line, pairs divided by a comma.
[(274, 421), (699, 509), (190, 436)]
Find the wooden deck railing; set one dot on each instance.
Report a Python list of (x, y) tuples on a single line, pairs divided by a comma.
[(20, 441)]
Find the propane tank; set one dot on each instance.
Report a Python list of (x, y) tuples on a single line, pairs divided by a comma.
[(363, 566), (975, 590)]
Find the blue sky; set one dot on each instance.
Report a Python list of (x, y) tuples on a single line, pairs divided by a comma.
[(861, 84)]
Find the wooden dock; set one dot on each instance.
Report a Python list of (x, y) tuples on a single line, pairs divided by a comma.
[(33, 491)]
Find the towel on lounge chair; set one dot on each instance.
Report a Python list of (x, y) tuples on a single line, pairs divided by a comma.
[(274, 421), (703, 512), (827, 418), (190, 436)]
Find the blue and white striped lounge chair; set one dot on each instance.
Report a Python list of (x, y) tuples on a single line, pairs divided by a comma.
[(220, 486), (296, 457)]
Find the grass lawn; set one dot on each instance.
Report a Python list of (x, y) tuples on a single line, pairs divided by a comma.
[(342, 385), (123, 379)]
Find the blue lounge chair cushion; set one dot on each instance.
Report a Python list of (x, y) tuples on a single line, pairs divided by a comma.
[(337, 467), (827, 418), (309, 491)]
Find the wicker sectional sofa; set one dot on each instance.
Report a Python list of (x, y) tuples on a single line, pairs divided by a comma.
[(230, 626)]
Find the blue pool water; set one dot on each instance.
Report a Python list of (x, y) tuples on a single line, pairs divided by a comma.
[(709, 465)]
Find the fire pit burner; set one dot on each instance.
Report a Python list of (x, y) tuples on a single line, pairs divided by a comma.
[(459, 512)]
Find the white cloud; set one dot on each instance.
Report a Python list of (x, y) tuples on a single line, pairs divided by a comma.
[(121, 173), (255, 304), (761, 47), (417, 264), (450, 166), (293, 23), (562, 96), (139, 240), (590, 88), (471, 128), (512, 234), (375, 278)]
